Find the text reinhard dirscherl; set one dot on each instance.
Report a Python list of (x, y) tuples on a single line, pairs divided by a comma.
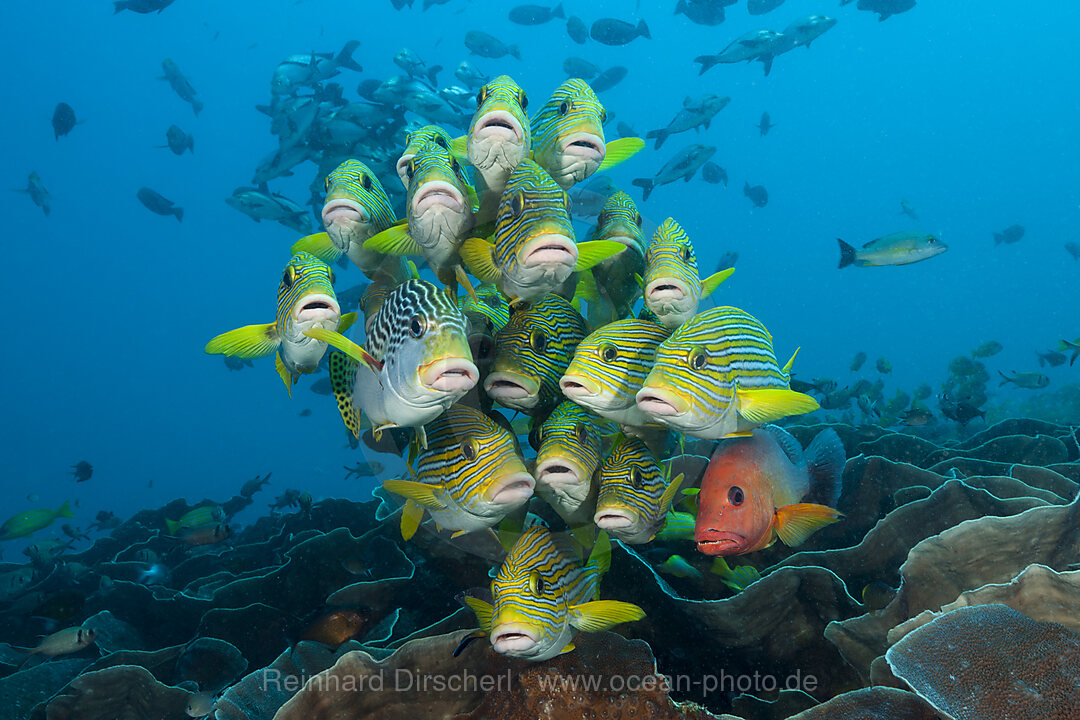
[(407, 680)]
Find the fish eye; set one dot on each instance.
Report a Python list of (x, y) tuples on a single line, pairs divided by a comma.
[(538, 341), (603, 116), (698, 358), (536, 583), (523, 101), (416, 326), (636, 476), (608, 352), (365, 182), (410, 169), (581, 432), (481, 96), (564, 107), (601, 219), (736, 496), (441, 142), (455, 166), (536, 437), (637, 219), (327, 183), (517, 204), (469, 449), (288, 277), (567, 201), (932, 240), (333, 277), (687, 253)]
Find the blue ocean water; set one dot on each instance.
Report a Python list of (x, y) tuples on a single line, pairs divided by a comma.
[(964, 112)]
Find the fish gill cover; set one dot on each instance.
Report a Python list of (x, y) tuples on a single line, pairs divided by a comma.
[(553, 292)]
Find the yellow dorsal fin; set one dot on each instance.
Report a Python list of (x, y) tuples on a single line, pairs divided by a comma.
[(621, 150), (422, 494), (603, 614), (411, 516), (483, 610), (791, 362), (766, 405), (346, 321), (795, 523), (596, 251), (250, 341), (478, 256), (345, 345), (394, 240), (320, 245), (709, 284)]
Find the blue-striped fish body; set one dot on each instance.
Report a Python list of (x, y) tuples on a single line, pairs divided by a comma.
[(305, 301), (356, 208), (417, 140), (485, 315), (609, 368), (672, 286), (566, 459), (543, 596), (634, 493), (717, 376), (416, 364), (531, 354), (534, 250), (617, 277), (499, 139), (468, 478), (568, 135)]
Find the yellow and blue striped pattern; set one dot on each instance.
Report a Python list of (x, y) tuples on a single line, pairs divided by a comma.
[(531, 205), (572, 108), (540, 580), (620, 218), (569, 434), (432, 163), (490, 303), (504, 94), (619, 356), (353, 180), (538, 342), (304, 275), (736, 351), (631, 478), (671, 255), (420, 138), (467, 452)]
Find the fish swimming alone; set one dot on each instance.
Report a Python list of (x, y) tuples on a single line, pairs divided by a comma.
[(180, 84), (156, 203), (37, 192), (902, 248), (63, 120), (29, 522), (305, 301), (754, 488), (717, 377), (543, 596)]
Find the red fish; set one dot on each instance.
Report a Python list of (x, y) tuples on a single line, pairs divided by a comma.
[(753, 489)]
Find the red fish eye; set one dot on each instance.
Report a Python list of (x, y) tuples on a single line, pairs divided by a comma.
[(736, 496)]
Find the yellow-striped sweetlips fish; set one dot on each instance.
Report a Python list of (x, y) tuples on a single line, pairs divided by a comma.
[(717, 376), (568, 135), (633, 493), (356, 209), (617, 277), (671, 284), (531, 353), (567, 456), (543, 596), (305, 301), (416, 141), (468, 478), (485, 315), (29, 522), (498, 139), (200, 517), (534, 250), (417, 362), (609, 368), (439, 208)]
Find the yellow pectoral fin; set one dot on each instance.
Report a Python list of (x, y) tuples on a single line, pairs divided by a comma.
[(286, 377), (584, 535), (483, 610), (250, 341), (603, 614), (411, 516), (586, 288), (596, 251), (621, 150), (795, 523), (394, 240), (669, 493), (709, 284), (346, 322), (459, 146), (478, 257), (420, 493), (320, 245), (345, 345), (569, 648), (600, 557), (771, 404)]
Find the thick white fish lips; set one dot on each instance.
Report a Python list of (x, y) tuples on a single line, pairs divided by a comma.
[(662, 405), (580, 155), (512, 491), (497, 138), (342, 217), (613, 518), (580, 389), (562, 478), (311, 311), (515, 639), (437, 194), (667, 295), (551, 257), (449, 376), (512, 389)]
